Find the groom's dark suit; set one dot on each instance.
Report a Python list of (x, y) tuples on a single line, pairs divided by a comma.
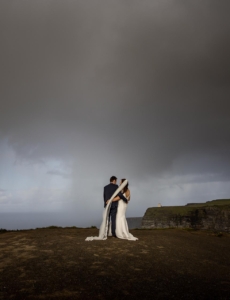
[(109, 190)]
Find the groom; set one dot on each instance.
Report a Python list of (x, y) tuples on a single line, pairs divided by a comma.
[(109, 190)]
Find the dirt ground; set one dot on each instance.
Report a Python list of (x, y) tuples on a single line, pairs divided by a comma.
[(163, 264)]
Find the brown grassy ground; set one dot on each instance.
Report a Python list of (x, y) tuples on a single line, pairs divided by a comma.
[(163, 264)]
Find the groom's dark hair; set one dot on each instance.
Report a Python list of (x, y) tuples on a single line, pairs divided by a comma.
[(113, 178)]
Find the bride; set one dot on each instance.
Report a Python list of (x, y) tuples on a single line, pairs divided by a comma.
[(122, 230)]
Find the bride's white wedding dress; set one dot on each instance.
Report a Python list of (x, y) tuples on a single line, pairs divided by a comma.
[(121, 222), (122, 229)]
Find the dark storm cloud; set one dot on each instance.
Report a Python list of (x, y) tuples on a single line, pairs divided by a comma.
[(130, 86)]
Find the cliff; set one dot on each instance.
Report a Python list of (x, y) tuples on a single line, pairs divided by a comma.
[(212, 215)]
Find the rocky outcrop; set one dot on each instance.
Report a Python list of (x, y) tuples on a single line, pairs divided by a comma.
[(212, 215)]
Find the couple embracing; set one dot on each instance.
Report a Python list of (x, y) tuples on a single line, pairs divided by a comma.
[(115, 204)]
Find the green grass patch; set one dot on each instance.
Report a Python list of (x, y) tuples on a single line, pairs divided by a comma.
[(167, 211), (163, 212)]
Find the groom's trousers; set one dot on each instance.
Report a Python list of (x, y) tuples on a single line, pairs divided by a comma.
[(112, 215)]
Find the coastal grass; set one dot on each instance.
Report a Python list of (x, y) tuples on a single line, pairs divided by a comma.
[(57, 263), (165, 211)]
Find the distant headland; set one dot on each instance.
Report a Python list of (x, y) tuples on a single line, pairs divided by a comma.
[(212, 215)]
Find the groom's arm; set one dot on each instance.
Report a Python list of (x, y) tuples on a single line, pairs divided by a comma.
[(122, 197), (117, 198)]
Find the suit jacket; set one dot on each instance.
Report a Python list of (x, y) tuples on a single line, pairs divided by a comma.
[(109, 190)]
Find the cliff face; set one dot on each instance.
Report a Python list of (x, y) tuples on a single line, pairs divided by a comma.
[(213, 215)]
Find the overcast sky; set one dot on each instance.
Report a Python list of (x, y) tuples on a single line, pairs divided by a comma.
[(91, 89)]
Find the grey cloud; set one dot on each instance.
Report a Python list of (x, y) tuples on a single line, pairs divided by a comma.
[(136, 88)]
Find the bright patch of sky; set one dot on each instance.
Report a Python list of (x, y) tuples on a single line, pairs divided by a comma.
[(26, 186)]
